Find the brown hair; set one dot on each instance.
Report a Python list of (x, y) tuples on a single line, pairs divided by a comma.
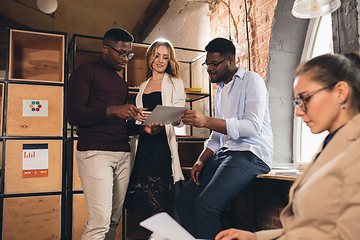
[(329, 69), (173, 66)]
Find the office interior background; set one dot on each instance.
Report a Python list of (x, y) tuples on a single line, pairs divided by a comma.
[(269, 41)]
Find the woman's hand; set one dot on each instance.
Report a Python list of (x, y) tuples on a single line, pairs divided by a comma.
[(235, 234), (153, 128), (177, 122)]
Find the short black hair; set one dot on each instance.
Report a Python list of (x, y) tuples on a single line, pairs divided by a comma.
[(118, 34), (221, 45)]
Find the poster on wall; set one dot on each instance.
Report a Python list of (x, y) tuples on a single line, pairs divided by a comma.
[(35, 160), (35, 108)]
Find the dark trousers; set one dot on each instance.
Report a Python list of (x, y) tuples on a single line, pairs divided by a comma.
[(224, 177)]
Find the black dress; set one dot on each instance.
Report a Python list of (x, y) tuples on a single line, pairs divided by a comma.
[(151, 174)]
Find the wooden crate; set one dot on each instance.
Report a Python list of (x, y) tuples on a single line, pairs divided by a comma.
[(36, 123), (15, 182), (36, 56), (136, 67), (80, 216), (32, 218)]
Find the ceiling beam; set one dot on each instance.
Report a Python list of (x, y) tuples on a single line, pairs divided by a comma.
[(150, 18)]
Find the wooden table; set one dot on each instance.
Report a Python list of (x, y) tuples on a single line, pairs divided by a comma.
[(279, 175)]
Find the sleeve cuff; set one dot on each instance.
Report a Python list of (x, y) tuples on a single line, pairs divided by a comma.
[(269, 234)]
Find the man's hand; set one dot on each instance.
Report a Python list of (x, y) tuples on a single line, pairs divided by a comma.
[(153, 128), (126, 111), (195, 171), (235, 234), (143, 115), (194, 118)]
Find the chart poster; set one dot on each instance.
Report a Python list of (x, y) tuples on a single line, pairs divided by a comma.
[(35, 160), (35, 108)]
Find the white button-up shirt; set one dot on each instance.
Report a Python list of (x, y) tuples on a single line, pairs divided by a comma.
[(247, 117)]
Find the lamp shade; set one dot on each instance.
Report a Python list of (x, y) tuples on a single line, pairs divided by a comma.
[(314, 8), (47, 6)]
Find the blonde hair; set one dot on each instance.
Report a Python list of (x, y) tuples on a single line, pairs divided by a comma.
[(173, 65)]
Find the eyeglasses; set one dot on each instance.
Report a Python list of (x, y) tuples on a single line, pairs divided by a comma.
[(207, 65), (122, 53), (302, 99)]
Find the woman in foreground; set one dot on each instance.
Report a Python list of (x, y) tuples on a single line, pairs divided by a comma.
[(324, 202)]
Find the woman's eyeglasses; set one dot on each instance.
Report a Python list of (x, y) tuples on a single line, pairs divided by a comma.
[(302, 99)]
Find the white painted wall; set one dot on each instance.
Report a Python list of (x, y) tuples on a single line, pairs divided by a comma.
[(186, 24)]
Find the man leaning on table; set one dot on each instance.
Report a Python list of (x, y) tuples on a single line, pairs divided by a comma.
[(238, 149)]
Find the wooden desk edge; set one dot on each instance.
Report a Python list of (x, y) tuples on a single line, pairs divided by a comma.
[(277, 177)]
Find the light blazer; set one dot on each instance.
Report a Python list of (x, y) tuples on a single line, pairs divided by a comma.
[(324, 202), (172, 94)]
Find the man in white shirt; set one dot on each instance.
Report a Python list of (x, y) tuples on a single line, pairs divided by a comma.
[(239, 148)]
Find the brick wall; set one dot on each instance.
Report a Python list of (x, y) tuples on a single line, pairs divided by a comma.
[(260, 20)]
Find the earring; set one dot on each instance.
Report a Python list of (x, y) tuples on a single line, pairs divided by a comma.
[(342, 106)]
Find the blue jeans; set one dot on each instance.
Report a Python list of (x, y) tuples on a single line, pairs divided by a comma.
[(223, 179)]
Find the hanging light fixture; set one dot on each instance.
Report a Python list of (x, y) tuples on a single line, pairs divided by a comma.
[(314, 8), (47, 6)]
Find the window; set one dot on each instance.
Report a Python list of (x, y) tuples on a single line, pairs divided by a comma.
[(318, 42)]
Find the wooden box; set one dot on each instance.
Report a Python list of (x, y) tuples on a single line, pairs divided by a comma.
[(32, 218), (136, 67), (80, 216), (34, 110), (16, 176), (36, 56)]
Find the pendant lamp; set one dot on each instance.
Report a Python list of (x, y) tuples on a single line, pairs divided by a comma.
[(47, 6), (314, 8)]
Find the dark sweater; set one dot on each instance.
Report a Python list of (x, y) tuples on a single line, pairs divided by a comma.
[(92, 88)]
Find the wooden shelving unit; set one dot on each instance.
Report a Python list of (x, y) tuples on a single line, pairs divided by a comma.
[(32, 136)]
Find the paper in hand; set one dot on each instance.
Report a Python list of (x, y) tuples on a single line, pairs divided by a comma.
[(165, 115), (165, 227)]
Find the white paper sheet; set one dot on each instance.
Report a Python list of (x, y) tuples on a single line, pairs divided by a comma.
[(165, 227), (165, 115)]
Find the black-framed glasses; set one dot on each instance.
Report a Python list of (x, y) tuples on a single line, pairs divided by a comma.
[(302, 99), (207, 65), (122, 53)]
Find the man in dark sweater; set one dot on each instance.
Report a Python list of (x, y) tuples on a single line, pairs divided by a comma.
[(96, 103)]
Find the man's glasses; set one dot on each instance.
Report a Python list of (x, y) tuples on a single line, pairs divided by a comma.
[(302, 99), (122, 53), (207, 65)]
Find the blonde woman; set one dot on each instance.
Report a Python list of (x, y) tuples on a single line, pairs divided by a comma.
[(156, 156)]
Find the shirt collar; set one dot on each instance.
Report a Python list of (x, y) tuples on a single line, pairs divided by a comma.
[(330, 136), (239, 74)]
